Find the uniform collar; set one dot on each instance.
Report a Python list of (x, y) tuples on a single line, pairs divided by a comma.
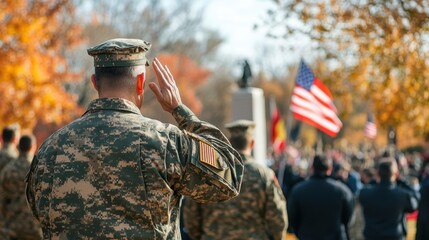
[(247, 158), (117, 104), (26, 156), (9, 147)]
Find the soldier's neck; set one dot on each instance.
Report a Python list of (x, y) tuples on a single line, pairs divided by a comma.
[(247, 152), (119, 94)]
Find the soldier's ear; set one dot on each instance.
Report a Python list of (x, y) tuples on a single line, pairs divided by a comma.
[(94, 81), (252, 143), (140, 83)]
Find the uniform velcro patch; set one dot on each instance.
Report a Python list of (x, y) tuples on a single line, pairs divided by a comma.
[(208, 155)]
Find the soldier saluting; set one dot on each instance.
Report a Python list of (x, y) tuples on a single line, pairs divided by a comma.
[(115, 174)]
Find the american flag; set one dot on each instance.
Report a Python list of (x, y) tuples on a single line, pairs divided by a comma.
[(312, 102), (370, 127), (208, 154)]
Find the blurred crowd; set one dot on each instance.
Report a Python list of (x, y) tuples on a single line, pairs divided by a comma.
[(359, 170)]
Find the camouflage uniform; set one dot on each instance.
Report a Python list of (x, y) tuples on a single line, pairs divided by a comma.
[(19, 221), (115, 174), (7, 154), (258, 213)]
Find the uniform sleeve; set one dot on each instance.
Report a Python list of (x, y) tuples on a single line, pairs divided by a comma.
[(8, 188), (39, 183), (30, 188), (192, 217), (212, 169), (3, 197), (275, 209)]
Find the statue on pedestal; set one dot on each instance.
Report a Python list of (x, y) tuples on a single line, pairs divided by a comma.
[(245, 80)]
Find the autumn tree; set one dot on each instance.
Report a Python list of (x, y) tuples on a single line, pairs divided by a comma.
[(374, 52), (174, 29), (34, 36)]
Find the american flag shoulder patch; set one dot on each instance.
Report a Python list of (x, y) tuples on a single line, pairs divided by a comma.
[(208, 155)]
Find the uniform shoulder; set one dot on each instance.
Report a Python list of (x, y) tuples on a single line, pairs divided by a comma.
[(161, 126), (259, 167), (131, 122)]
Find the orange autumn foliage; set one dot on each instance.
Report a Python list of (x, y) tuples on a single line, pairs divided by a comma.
[(373, 53), (34, 36), (189, 76)]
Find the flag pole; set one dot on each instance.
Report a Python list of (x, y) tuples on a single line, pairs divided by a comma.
[(290, 121), (319, 145), (281, 159)]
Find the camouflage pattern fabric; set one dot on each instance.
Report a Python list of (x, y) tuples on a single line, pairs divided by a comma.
[(114, 174), (7, 154), (258, 213), (120, 52), (19, 221)]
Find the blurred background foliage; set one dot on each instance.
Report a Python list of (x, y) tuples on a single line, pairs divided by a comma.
[(373, 55)]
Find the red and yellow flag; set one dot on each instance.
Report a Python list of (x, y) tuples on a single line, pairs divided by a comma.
[(278, 129)]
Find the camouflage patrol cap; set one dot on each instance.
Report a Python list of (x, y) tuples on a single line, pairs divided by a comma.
[(120, 52), (241, 127)]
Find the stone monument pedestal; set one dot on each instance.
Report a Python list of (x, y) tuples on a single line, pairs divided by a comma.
[(249, 103)]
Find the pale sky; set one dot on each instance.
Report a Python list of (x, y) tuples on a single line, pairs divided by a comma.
[(235, 20)]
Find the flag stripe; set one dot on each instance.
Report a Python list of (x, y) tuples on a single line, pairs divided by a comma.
[(318, 120), (323, 88), (207, 154), (321, 94), (307, 100), (316, 124)]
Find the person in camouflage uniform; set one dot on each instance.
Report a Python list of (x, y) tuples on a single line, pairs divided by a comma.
[(19, 221), (10, 137), (258, 213), (115, 174), (9, 152)]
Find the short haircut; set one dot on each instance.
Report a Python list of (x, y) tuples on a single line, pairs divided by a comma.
[(26, 142), (9, 133), (116, 77), (240, 141), (321, 164), (387, 167)]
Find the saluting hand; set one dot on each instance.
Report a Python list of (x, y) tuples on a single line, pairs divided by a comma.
[(166, 90)]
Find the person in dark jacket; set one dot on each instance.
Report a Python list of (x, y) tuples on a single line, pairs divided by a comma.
[(423, 217), (384, 204), (321, 207)]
